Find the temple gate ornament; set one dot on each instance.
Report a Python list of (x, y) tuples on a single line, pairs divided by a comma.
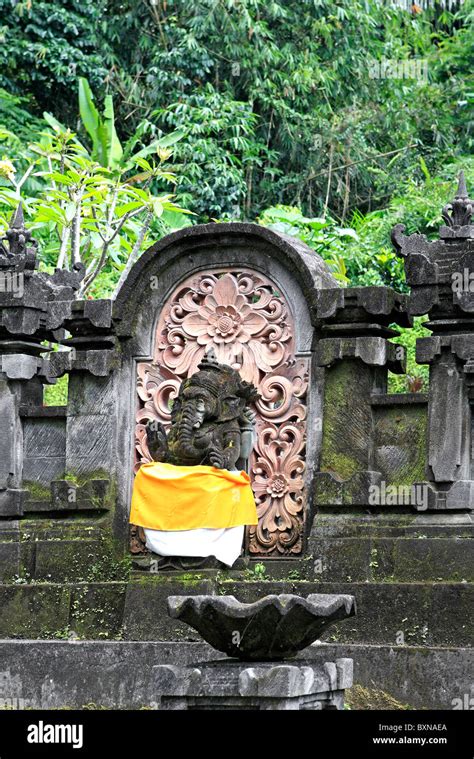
[(440, 274), (245, 319)]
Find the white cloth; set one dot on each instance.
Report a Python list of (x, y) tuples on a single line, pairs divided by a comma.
[(224, 543)]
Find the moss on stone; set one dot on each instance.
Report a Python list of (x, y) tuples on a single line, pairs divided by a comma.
[(403, 428), (37, 491), (339, 454), (365, 699)]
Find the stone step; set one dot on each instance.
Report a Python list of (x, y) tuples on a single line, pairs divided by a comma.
[(346, 523), (437, 614), (50, 550), (54, 610), (423, 613), (415, 677), (118, 674), (379, 559), (418, 614)]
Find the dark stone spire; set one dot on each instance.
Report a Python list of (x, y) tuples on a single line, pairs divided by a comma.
[(17, 248), (458, 214)]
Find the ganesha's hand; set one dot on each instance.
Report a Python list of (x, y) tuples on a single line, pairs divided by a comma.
[(156, 440), (249, 416), (217, 459)]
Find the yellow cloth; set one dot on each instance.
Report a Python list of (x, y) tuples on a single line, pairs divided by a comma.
[(168, 497)]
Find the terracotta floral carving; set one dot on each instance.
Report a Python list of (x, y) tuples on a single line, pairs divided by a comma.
[(244, 324), (244, 317)]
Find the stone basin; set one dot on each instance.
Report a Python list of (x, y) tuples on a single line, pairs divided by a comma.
[(274, 628)]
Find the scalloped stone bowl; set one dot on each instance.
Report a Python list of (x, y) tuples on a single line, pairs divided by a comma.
[(275, 627)]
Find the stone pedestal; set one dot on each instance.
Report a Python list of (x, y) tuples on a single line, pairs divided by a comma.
[(229, 684)]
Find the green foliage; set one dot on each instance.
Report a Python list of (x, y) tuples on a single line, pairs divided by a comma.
[(328, 134), (84, 213), (16, 122), (220, 151), (56, 395), (323, 235), (45, 46), (417, 376), (281, 101), (106, 150), (256, 573), (417, 204)]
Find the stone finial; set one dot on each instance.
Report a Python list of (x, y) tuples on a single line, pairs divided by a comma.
[(458, 214), (20, 248)]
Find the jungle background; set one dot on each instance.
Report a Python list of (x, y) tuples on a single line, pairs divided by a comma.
[(330, 120)]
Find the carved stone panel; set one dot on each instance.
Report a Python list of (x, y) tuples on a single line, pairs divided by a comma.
[(245, 318)]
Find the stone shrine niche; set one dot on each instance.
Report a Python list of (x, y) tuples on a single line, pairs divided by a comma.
[(247, 320)]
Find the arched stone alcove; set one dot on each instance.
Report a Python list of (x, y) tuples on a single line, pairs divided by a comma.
[(249, 293)]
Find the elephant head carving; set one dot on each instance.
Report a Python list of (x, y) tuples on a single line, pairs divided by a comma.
[(211, 420)]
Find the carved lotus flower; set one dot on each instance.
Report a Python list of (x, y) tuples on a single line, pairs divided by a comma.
[(276, 627), (248, 333), (224, 316)]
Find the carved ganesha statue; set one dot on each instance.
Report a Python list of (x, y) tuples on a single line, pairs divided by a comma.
[(211, 421)]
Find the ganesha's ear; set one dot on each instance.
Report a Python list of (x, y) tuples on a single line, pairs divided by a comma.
[(229, 408)]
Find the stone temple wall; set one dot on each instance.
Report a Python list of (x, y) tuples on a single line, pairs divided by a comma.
[(364, 492)]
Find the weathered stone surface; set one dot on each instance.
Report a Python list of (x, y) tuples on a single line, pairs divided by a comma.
[(359, 304), (18, 366), (227, 684), (147, 597), (431, 614), (391, 559), (273, 628), (97, 609), (347, 420), (8, 434), (65, 560), (374, 351), (12, 502), (400, 439), (118, 674), (33, 611), (448, 404), (9, 560), (417, 677), (90, 495)]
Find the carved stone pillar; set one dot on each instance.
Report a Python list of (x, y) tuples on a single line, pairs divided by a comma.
[(30, 303), (90, 429), (355, 351), (441, 277)]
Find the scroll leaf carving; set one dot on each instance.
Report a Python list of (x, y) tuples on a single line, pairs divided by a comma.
[(244, 317)]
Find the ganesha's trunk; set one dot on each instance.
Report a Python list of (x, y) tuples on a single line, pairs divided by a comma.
[(183, 434)]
